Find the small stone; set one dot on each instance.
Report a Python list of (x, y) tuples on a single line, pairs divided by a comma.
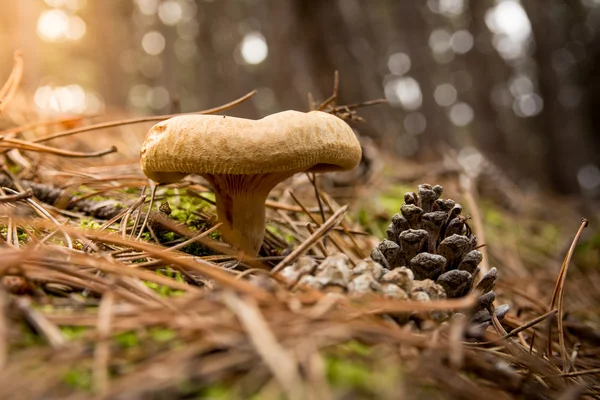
[(455, 283), (364, 284), (265, 282), (419, 296), (471, 261), (334, 289), (371, 266), (427, 265), (309, 281), (393, 291), (433, 290), (488, 281), (337, 259), (402, 276), (304, 266), (334, 270)]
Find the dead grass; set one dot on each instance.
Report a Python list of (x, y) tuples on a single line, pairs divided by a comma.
[(120, 307)]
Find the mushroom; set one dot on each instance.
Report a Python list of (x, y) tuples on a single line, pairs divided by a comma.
[(244, 159)]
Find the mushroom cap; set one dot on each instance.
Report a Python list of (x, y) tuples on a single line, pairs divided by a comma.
[(289, 141)]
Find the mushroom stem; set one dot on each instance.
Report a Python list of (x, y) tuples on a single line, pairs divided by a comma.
[(243, 219), (240, 201)]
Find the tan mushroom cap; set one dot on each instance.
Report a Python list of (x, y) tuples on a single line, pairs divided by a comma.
[(212, 144)]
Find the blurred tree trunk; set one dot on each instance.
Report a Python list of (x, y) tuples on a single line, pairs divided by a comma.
[(108, 34), (569, 142)]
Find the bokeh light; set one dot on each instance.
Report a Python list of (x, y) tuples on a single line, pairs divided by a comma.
[(403, 91), (58, 26), (588, 177), (147, 7), (399, 63), (253, 48), (153, 43), (461, 114), (445, 94), (170, 12), (71, 99), (511, 27), (462, 41)]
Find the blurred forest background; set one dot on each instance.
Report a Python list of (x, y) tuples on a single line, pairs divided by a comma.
[(517, 80)]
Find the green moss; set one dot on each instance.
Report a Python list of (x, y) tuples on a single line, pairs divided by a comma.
[(356, 348), (198, 250), (183, 206), (290, 239), (146, 236), (79, 378), (14, 169), (73, 332), (90, 224), (127, 339), (215, 392), (348, 374), (22, 235), (167, 237), (159, 334), (163, 290)]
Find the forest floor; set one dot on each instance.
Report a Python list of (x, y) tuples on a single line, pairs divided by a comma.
[(102, 297)]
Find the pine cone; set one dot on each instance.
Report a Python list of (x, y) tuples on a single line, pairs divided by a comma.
[(432, 239)]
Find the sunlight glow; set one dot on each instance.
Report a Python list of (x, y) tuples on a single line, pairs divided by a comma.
[(71, 99), (511, 27), (58, 26), (52, 25), (254, 48), (73, 5), (170, 12)]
